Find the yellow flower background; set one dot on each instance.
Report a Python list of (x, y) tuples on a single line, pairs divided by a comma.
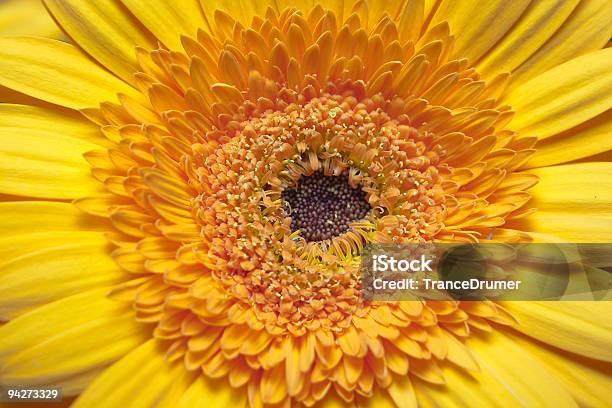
[(147, 255)]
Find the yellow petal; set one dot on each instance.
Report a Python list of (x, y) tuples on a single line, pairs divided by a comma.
[(216, 393), (241, 10), (380, 399), (574, 188), (463, 390), (376, 9), (564, 96), (582, 328), (459, 354), (477, 26), (22, 217), (402, 393), (26, 17), (36, 164), (180, 384), (31, 328), (55, 270), (56, 72), (16, 246), (51, 121), (411, 20), (140, 379), (294, 376), (587, 139), (273, 385), (534, 28), (519, 373), (568, 226), (587, 29), (64, 342), (100, 205), (168, 20), (11, 96), (509, 378), (105, 30), (430, 7), (574, 203), (587, 380)]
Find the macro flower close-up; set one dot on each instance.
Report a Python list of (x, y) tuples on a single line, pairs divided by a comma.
[(187, 188)]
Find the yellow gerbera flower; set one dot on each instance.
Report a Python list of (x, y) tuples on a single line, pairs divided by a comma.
[(238, 155)]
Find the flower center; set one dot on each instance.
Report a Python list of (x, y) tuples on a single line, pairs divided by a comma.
[(323, 207)]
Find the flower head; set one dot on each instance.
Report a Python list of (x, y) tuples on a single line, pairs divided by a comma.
[(250, 155)]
